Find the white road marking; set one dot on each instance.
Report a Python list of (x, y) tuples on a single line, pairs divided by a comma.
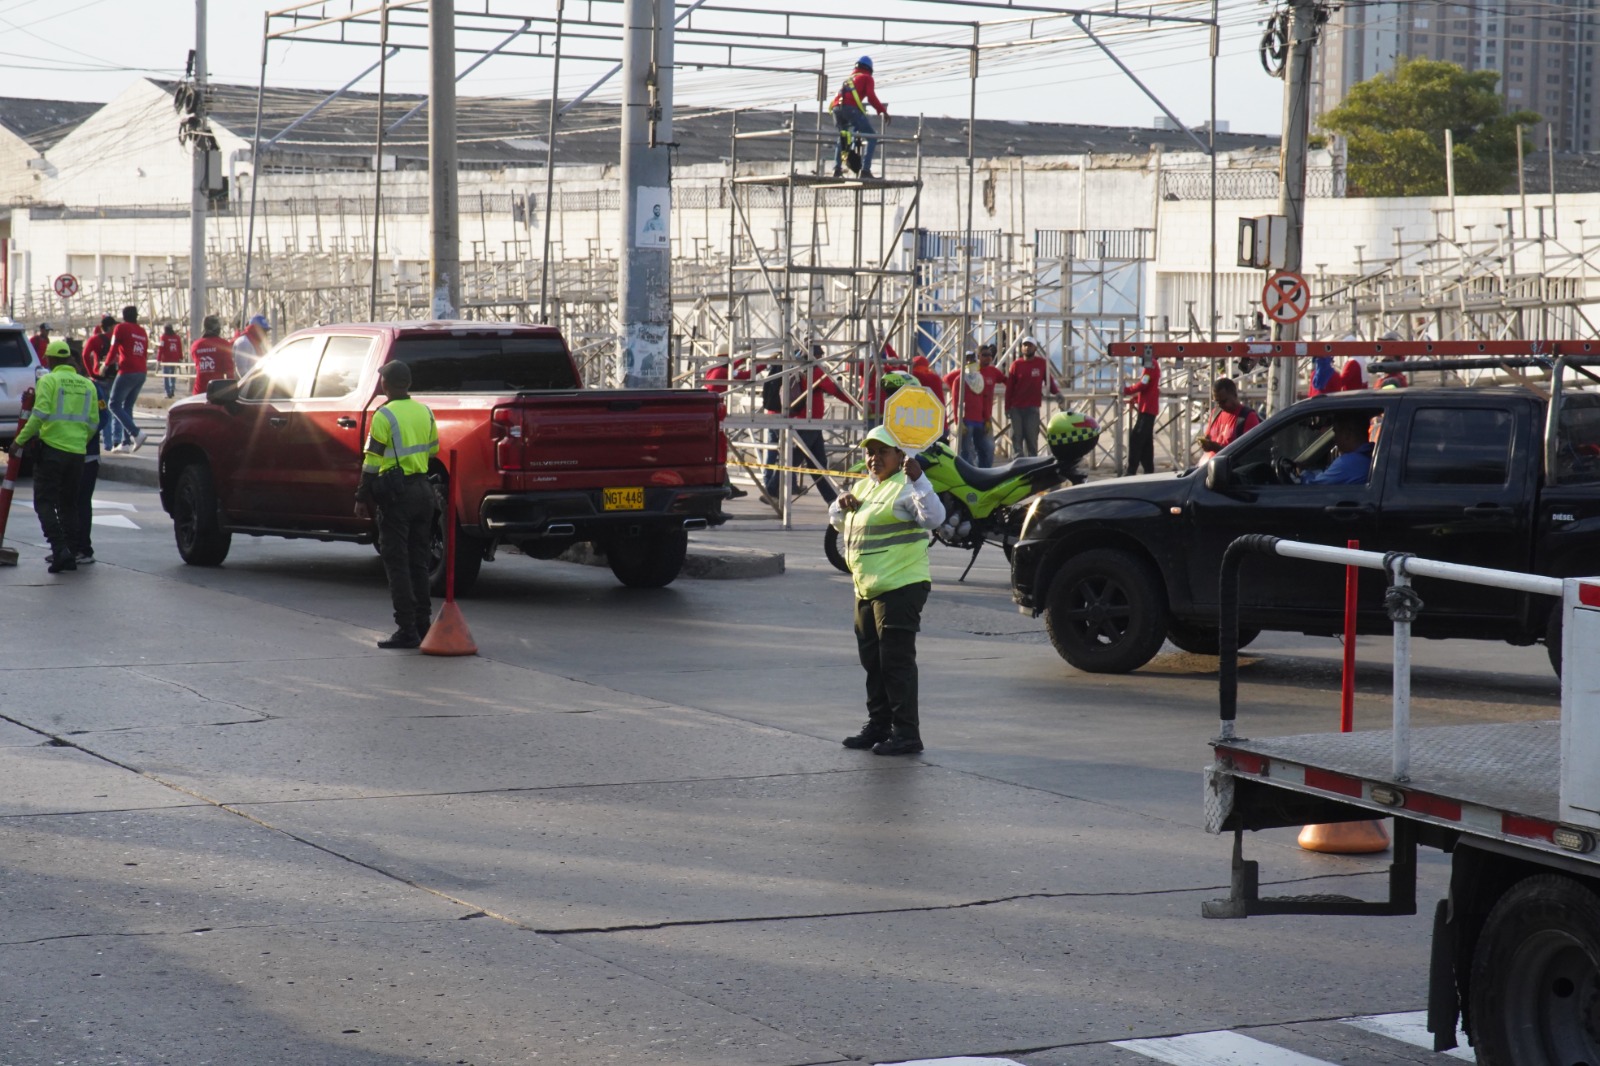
[(960, 1060), (1410, 1027), (114, 505), (1217, 1049), (116, 521)]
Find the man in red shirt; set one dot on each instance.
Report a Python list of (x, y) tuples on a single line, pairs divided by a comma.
[(849, 106), (926, 377), (98, 347), (972, 392), (807, 392), (871, 375), (212, 356), (1025, 385), (170, 356), (130, 350), (1231, 421), (41, 341), (1144, 399)]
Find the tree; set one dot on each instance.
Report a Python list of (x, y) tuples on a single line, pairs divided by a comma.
[(1394, 124)]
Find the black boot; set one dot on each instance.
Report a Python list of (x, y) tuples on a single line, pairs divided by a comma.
[(898, 746), (871, 733), (401, 638)]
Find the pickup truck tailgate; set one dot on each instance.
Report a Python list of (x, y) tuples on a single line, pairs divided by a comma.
[(605, 438)]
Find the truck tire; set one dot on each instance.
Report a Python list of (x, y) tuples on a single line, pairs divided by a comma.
[(196, 524), (469, 559), (830, 548), (1106, 612), (1202, 639), (1536, 975), (651, 561)]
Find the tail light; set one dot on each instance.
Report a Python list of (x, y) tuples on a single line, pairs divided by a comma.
[(505, 429)]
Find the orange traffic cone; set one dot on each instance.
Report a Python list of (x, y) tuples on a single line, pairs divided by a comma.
[(449, 635), (1333, 838)]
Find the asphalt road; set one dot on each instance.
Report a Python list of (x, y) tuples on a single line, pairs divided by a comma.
[(235, 832)]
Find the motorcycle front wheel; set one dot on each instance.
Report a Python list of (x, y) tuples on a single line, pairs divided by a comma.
[(830, 548)]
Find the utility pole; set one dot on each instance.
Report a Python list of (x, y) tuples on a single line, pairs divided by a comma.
[(444, 260), (644, 262), (199, 195), (1306, 17)]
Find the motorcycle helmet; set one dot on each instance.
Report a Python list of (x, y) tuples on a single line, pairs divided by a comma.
[(1071, 436), (895, 380)]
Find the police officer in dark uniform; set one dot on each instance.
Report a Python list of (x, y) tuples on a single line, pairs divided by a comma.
[(394, 476)]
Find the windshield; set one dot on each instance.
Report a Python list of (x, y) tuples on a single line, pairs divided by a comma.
[(486, 364), (15, 351)]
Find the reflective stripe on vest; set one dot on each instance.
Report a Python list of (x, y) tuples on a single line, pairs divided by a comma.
[(90, 416), (401, 450), (381, 456), (883, 550)]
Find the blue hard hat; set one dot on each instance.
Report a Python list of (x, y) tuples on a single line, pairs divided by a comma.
[(261, 320), (865, 61)]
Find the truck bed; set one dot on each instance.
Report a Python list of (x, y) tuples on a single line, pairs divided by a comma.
[(1507, 766)]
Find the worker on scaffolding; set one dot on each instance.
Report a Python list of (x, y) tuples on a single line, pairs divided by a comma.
[(849, 107)]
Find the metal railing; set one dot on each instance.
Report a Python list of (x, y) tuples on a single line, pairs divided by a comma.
[(1400, 601)]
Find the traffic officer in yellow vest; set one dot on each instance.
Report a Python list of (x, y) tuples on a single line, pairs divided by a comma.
[(66, 413), (394, 476), (883, 526)]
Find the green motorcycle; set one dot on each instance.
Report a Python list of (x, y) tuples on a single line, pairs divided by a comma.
[(979, 502)]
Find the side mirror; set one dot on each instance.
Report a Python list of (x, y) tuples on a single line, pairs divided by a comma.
[(1219, 473), (224, 392)]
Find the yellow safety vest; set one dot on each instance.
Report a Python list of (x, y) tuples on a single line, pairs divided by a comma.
[(66, 411), (403, 434), (884, 551)]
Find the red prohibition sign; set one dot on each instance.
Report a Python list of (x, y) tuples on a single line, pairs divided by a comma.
[(1286, 297), (66, 286)]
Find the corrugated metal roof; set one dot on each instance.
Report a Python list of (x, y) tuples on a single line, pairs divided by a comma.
[(508, 132), (43, 122)]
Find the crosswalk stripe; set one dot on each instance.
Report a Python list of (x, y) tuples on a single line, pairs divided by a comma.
[(1410, 1027), (1217, 1049), (115, 505), (115, 520), (960, 1060)]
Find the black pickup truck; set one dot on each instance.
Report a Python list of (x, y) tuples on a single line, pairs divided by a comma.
[(1479, 476)]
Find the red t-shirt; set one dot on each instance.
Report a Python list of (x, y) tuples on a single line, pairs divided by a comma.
[(928, 379), (1146, 391), (1228, 426), (976, 406), (1351, 379), (39, 345), (822, 386), (171, 348), (1026, 381), (213, 361), (130, 347), (865, 92), (94, 352)]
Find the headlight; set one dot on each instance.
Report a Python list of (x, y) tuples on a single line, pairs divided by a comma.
[(1042, 506)]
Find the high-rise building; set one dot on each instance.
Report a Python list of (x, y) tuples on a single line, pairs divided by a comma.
[(1544, 51)]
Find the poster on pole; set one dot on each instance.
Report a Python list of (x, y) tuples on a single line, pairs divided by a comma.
[(653, 210)]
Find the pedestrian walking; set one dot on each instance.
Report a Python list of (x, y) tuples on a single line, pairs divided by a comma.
[(66, 410), (130, 352), (1231, 420), (883, 530), (97, 348), (170, 356), (1144, 400), (1025, 384), (250, 344), (394, 478), (807, 395), (83, 543), (212, 356), (849, 107)]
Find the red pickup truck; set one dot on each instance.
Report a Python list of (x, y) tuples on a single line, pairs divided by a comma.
[(541, 462)]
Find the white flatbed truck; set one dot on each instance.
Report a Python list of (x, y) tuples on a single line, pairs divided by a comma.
[(1515, 956)]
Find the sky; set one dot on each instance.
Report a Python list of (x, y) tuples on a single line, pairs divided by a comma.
[(1039, 69)]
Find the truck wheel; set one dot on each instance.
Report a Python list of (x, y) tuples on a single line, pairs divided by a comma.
[(469, 559), (830, 547), (1535, 977), (1105, 612), (195, 523), (650, 561), (1203, 639)]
